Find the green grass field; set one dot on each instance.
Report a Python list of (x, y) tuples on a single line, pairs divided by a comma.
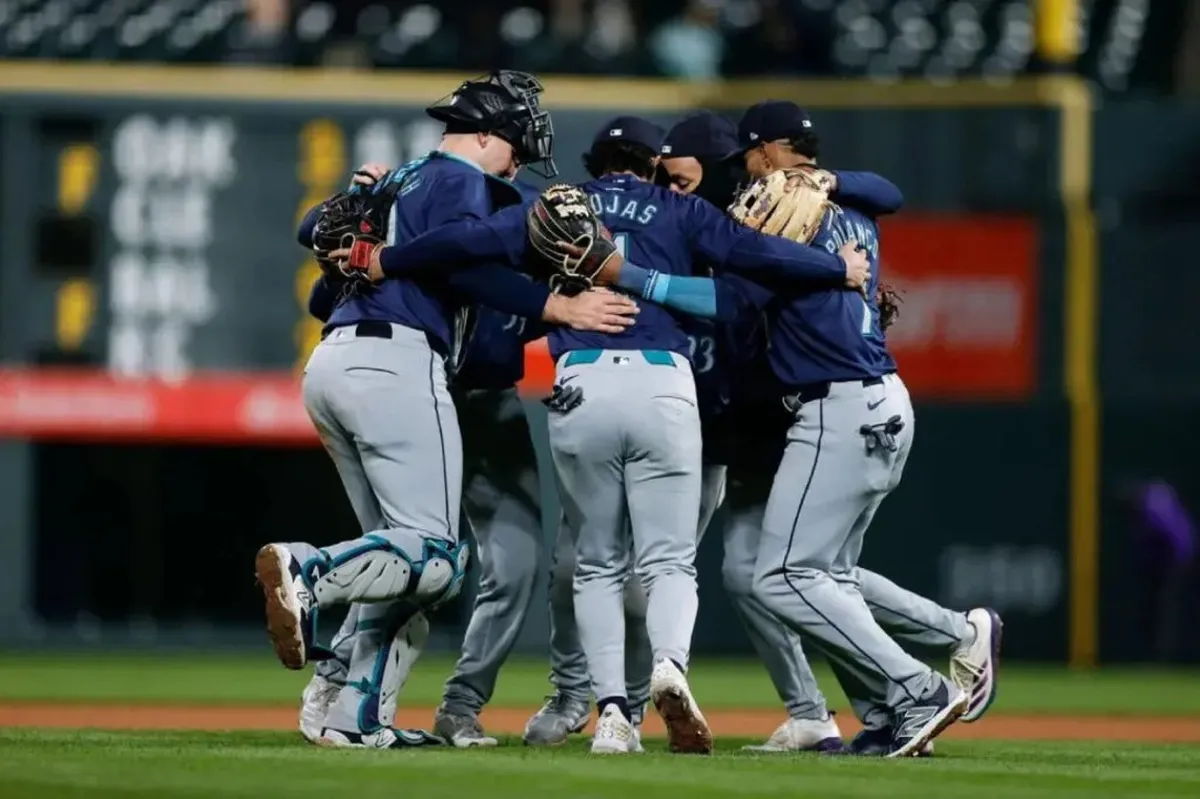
[(102, 765), (258, 679)]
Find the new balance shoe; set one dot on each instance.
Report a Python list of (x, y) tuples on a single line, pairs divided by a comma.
[(461, 730), (560, 717), (973, 667), (878, 743), (289, 604), (920, 723), (802, 735), (687, 729)]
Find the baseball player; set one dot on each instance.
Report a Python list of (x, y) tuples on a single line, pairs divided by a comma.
[(502, 503), (747, 435), (376, 389), (624, 428), (845, 451)]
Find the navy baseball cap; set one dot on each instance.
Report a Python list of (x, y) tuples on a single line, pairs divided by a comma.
[(631, 129), (702, 135), (771, 120)]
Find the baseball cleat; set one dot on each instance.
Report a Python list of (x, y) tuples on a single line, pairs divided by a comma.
[(614, 734), (973, 667), (636, 745), (687, 730), (802, 735), (387, 738), (461, 730), (318, 695), (289, 604), (557, 719), (878, 743), (920, 723)]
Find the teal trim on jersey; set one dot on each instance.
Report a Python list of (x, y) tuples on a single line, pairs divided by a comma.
[(582, 357), (658, 358), (585, 357)]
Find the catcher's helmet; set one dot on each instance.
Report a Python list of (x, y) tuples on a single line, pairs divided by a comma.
[(504, 103)]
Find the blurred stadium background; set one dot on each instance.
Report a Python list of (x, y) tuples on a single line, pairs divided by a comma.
[(155, 155)]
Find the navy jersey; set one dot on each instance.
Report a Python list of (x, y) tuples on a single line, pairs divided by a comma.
[(433, 190), (724, 351), (650, 229), (831, 335), (494, 357)]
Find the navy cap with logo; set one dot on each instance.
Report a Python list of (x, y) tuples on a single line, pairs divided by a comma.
[(770, 121), (631, 129), (702, 135)]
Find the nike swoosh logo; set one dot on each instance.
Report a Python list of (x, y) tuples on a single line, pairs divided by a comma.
[(873, 405), (562, 381)]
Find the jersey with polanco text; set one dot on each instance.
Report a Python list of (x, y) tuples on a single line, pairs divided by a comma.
[(832, 335)]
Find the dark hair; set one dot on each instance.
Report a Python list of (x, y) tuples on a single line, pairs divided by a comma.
[(805, 144), (607, 157)]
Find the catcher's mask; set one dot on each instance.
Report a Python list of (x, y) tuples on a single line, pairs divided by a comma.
[(506, 104)]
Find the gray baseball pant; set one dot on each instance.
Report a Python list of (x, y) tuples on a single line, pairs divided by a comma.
[(383, 412), (627, 461), (829, 485), (909, 618), (568, 664), (502, 504)]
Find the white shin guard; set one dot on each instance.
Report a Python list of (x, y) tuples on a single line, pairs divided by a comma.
[(382, 658)]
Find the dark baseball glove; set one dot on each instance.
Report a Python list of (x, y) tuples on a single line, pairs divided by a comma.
[(888, 298), (567, 237), (354, 220)]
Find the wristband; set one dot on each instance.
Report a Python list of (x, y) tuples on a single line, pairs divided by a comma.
[(361, 252)]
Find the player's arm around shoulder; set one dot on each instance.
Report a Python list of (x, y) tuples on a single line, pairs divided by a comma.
[(868, 192), (737, 248)]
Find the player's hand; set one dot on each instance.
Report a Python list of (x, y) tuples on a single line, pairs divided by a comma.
[(368, 174), (598, 310), (858, 268), (607, 275), (362, 257)]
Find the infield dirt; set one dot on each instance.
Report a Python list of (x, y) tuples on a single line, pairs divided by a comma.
[(511, 721)]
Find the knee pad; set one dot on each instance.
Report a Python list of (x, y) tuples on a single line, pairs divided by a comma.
[(381, 571), (439, 575)]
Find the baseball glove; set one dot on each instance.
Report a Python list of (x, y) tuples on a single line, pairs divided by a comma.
[(788, 202), (569, 239), (354, 220)]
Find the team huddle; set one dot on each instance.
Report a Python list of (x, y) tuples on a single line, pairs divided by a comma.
[(712, 303)]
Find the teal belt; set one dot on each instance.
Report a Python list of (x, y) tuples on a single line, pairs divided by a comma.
[(584, 357)]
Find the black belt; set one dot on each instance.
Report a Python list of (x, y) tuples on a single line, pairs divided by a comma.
[(817, 391), (376, 329)]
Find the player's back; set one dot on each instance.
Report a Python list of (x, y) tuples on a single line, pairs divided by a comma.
[(429, 191), (493, 356), (833, 335), (648, 228)]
